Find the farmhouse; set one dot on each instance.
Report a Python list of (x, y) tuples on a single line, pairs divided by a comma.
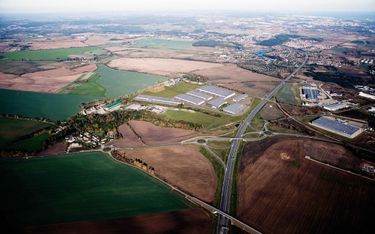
[(163, 100), (189, 99), (234, 108), (217, 103), (338, 127), (222, 93)]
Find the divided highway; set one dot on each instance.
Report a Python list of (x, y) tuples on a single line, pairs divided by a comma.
[(227, 182)]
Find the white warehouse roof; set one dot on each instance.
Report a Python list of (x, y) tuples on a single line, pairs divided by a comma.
[(217, 103), (189, 99), (239, 98), (199, 95), (233, 109), (336, 106), (164, 100), (223, 93)]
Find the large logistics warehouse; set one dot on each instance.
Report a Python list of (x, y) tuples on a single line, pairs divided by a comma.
[(217, 103), (222, 93), (233, 109), (163, 100), (336, 106), (189, 99), (199, 95), (337, 127), (311, 94)]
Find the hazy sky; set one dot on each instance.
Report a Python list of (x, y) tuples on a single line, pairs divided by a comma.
[(48, 6)]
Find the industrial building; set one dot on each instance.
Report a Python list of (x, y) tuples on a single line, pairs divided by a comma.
[(199, 95), (217, 103), (311, 94), (362, 94), (337, 127), (222, 93), (189, 99), (234, 108), (336, 106), (239, 98), (147, 98)]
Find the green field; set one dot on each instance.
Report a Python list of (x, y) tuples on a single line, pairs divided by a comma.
[(121, 83), (53, 54), (41, 105), (13, 129), (90, 88), (286, 95), (195, 117), (30, 144), (76, 187), (165, 44), (170, 92), (22, 67)]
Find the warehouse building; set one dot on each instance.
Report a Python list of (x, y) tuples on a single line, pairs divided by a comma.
[(189, 99), (199, 95), (163, 100), (233, 109), (222, 93), (311, 94), (239, 98), (217, 103), (336, 106), (337, 127), (366, 95)]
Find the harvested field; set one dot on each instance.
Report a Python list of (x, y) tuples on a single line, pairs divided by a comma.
[(182, 166), (128, 137), (232, 73), (22, 67), (152, 134), (282, 192), (190, 221), (159, 66), (87, 68), (53, 43), (270, 111), (58, 148), (257, 89), (43, 81)]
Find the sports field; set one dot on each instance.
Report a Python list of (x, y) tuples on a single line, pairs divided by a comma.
[(53, 54), (13, 129), (195, 117), (41, 105), (121, 83), (170, 92), (286, 95), (165, 44), (90, 88), (76, 187)]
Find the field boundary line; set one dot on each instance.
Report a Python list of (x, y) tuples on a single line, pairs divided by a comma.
[(337, 168)]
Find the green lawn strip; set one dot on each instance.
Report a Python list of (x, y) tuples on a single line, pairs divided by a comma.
[(257, 122), (219, 143), (52, 54), (195, 117), (90, 88), (30, 144), (286, 95), (12, 129), (170, 92), (77, 187), (222, 153), (41, 105), (234, 192), (219, 173), (275, 128)]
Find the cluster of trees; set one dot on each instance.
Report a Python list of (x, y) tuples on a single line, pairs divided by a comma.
[(135, 133), (196, 78), (137, 162), (278, 40)]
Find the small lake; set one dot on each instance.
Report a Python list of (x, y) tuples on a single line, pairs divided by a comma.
[(261, 53)]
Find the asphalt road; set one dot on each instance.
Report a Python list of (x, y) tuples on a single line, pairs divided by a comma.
[(222, 227)]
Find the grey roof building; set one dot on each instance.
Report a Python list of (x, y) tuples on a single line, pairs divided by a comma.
[(337, 127), (189, 99), (239, 98), (234, 108), (222, 93), (163, 100), (199, 95), (217, 103)]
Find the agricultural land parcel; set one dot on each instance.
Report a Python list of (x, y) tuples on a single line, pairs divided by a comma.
[(41, 105), (121, 83), (277, 184), (159, 66), (90, 88), (77, 187), (194, 117), (22, 67), (12, 129), (286, 95), (52, 54), (165, 44), (182, 166), (170, 92)]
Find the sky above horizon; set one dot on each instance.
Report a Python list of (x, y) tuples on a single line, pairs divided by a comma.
[(71, 6)]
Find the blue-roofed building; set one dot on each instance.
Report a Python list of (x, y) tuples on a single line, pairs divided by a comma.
[(234, 108), (337, 127), (199, 95), (217, 103), (311, 94), (222, 93), (189, 99)]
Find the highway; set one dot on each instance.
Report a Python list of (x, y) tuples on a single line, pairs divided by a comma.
[(222, 226)]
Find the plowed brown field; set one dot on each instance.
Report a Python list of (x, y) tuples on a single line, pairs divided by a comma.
[(191, 221), (282, 192), (152, 134), (128, 138), (182, 166)]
